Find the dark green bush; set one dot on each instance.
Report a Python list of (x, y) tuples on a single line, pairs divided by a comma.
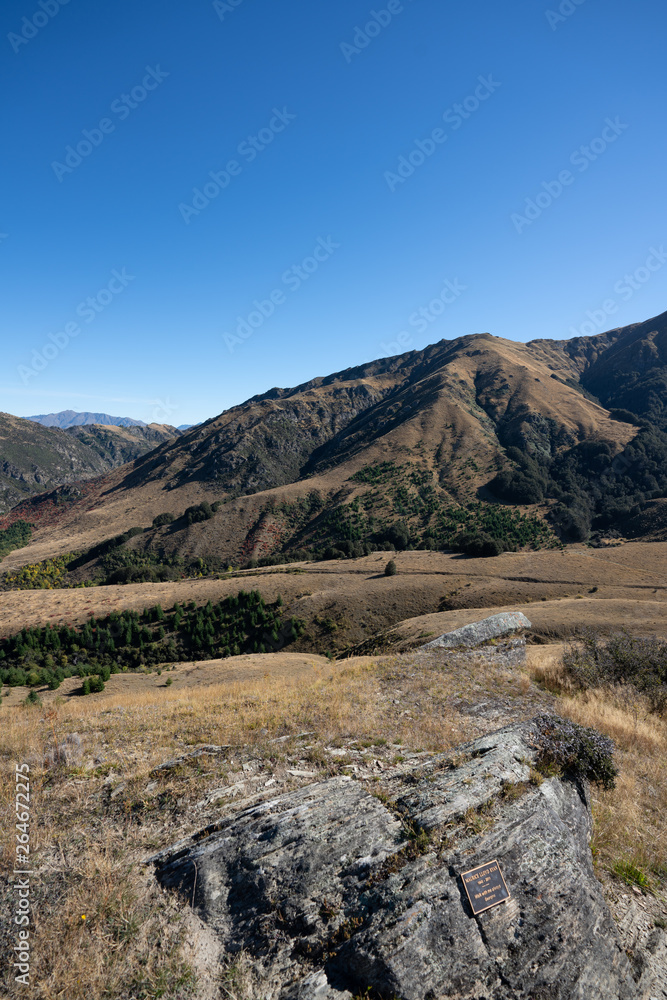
[(390, 569), (93, 685), (16, 536), (625, 417), (567, 748), (163, 519), (397, 535), (129, 566), (479, 545), (332, 553), (299, 555), (517, 487), (573, 524), (200, 512)]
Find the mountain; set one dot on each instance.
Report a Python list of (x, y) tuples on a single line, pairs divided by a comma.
[(117, 445), (70, 418), (479, 443), (34, 458)]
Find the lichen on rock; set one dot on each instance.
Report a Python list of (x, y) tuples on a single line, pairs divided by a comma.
[(340, 888)]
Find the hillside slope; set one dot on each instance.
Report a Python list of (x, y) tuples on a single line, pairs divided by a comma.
[(117, 445), (404, 450), (35, 459)]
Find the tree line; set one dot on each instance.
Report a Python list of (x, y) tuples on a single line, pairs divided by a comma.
[(131, 640)]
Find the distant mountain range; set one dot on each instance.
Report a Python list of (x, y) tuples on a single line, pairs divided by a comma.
[(478, 443), (35, 458), (70, 418)]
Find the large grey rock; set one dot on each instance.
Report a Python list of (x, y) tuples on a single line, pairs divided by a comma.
[(477, 633), (320, 887)]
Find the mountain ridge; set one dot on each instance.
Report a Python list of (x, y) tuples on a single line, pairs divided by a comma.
[(72, 418), (477, 424)]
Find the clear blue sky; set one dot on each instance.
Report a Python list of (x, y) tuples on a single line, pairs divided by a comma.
[(333, 111)]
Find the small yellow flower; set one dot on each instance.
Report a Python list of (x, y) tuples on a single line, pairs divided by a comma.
[(83, 916)]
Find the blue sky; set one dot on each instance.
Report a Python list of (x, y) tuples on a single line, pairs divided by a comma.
[(357, 211)]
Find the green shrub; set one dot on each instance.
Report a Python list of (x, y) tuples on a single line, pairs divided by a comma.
[(572, 523), (631, 874), (518, 487), (92, 685), (332, 553), (16, 536), (163, 519), (390, 569), (200, 512), (478, 545), (625, 416), (567, 748), (398, 535)]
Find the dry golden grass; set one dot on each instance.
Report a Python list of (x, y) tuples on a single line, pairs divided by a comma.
[(629, 820), (94, 822), (433, 592)]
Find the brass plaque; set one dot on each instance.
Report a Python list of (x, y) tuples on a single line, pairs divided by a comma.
[(485, 886)]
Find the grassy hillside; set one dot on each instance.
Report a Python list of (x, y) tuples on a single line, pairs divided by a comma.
[(130, 641)]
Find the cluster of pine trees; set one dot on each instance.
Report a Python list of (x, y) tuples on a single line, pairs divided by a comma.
[(16, 536), (130, 640)]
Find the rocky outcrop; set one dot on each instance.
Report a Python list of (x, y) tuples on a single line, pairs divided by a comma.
[(497, 641), (479, 633), (343, 887)]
